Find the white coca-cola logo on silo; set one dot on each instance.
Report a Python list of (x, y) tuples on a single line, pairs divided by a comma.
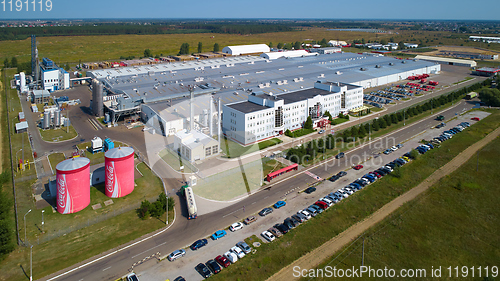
[(61, 192), (110, 178)]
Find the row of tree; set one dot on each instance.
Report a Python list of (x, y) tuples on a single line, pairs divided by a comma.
[(157, 208), (7, 235), (21, 33), (184, 49), (311, 149)]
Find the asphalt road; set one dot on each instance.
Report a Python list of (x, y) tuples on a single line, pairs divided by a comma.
[(184, 232)]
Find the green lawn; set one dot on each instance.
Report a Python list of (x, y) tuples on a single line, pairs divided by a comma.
[(57, 135), (302, 132), (274, 256), (91, 232), (56, 158), (237, 181), (175, 161), (466, 79), (455, 223), (232, 149)]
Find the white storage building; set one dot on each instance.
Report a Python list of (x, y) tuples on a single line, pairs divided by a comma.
[(246, 49), (287, 54), (450, 61)]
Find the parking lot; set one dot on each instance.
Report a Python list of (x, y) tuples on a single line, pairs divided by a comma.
[(296, 201)]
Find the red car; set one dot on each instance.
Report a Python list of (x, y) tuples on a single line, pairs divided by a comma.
[(475, 118), (222, 261), (322, 205), (357, 167)]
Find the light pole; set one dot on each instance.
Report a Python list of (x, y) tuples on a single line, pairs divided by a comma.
[(25, 225), (31, 263), (404, 117), (43, 211), (166, 210)]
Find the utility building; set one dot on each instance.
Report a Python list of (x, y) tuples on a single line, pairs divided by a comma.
[(246, 49)]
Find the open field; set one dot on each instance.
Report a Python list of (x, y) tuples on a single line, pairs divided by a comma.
[(274, 256), (452, 224), (103, 229), (97, 48), (175, 161), (56, 158)]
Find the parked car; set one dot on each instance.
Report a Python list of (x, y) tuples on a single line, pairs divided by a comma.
[(275, 232), (203, 270), (268, 236), (244, 246), (213, 266), (282, 228), (358, 167), (342, 173), (176, 254), (399, 145), (223, 261), (266, 211), (180, 278), (475, 118), (321, 204), (230, 256), (236, 226), (334, 178), (321, 131), (340, 155), (238, 251), (300, 218), (250, 219), (387, 151), (310, 190), (218, 234), (279, 204), (132, 277), (198, 244), (289, 223)]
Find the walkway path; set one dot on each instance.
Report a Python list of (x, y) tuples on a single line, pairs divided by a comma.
[(318, 255)]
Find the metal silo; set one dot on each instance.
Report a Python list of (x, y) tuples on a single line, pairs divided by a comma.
[(73, 185), (119, 171), (46, 120), (57, 118), (97, 100)]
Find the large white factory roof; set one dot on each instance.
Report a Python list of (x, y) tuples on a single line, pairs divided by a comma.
[(246, 49)]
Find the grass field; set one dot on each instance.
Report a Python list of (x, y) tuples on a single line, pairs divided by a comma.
[(109, 226), (175, 161), (455, 223), (71, 49), (57, 135), (56, 158), (232, 149), (273, 256)]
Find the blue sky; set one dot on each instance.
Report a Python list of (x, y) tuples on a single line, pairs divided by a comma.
[(325, 9)]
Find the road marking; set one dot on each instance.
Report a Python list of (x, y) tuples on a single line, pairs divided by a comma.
[(253, 203), (266, 197), (149, 249), (232, 212), (106, 268)]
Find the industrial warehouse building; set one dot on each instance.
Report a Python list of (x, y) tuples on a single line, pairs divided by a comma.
[(450, 61), (53, 78), (246, 49), (157, 93), (266, 116), (485, 39)]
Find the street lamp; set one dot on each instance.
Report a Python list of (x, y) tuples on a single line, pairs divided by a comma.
[(25, 225), (43, 211), (31, 263)]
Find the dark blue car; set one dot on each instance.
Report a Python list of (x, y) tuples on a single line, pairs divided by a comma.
[(198, 244)]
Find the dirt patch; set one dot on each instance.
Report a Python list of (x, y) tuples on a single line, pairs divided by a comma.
[(318, 255)]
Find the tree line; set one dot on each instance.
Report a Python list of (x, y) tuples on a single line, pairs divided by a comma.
[(7, 234), (310, 150), (21, 33), (157, 208)]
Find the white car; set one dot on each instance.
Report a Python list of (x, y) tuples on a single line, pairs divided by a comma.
[(393, 148), (238, 251), (232, 257), (236, 226), (268, 236), (347, 190), (305, 213)]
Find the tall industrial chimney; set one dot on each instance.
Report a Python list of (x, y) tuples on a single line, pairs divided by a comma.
[(211, 115), (191, 110)]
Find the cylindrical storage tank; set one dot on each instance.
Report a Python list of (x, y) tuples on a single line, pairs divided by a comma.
[(119, 171), (57, 118), (73, 185), (46, 120)]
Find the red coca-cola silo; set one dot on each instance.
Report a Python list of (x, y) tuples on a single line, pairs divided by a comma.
[(73, 185), (119, 171)]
